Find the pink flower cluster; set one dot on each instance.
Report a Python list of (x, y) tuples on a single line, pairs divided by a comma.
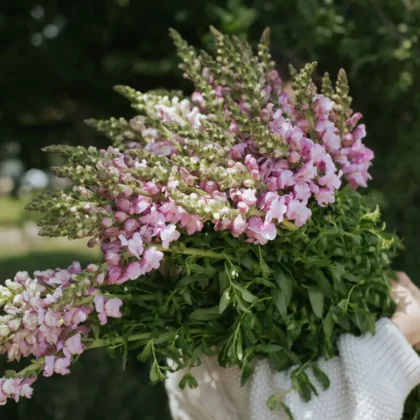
[(47, 317), (138, 221), (15, 388), (319, 154)]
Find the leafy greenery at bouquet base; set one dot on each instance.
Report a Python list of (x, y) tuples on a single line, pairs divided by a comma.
[(288, 301)]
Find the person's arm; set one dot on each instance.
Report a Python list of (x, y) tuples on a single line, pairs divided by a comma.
[(369, 381)]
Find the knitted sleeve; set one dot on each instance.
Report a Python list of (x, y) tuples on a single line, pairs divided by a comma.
[(369, 381)]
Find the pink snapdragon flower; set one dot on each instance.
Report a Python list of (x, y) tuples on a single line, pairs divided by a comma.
[(107, 308)]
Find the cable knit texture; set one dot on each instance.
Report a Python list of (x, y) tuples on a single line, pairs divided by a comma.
[(369, 381)]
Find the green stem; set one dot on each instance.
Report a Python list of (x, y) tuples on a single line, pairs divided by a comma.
[(166, 336), (139, 191), (255, 212), (191, 251), (289, 225), (131, 297)]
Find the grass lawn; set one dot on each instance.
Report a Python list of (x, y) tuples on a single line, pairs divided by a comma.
[(11, 211), (29, 252)]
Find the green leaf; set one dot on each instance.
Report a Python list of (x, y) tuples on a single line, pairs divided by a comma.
[(305, 391), (195, 268), (328, 325), (281, 303), (246, 373), (183, 382), (192, 279), (292, 356), (265, 282), (224, 301), (323, 283), (247, 296), (134, 345), (321, 376), (267, 348), (240, 304), (287, 410), (343, 304), (155, 373), (266, 270), (205, 314), (370, 318), (247, 263), (96, 330), (223, 281), (206, 348), (187, 280), (187, 298), (316, 297), (192, 382), (239, 349), (124, 356), (279, 361), (144, 355), (304, 386), (189, 380), (285, 283), (273, 402)]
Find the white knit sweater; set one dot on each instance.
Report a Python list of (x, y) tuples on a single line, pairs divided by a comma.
[(369, 381)]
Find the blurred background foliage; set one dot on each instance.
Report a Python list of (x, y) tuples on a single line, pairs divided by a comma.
[(59, 61)]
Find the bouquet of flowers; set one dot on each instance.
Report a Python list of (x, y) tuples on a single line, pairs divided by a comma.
[(229, 225)]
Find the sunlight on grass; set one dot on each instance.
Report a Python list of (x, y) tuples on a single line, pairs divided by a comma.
[(11, 211)]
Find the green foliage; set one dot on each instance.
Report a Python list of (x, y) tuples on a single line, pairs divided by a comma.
[(288, 301)]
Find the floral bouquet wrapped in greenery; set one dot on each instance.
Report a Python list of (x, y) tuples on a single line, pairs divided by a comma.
[(229, 225)]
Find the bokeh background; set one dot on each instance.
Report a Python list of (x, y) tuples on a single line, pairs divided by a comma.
[(58, 63)]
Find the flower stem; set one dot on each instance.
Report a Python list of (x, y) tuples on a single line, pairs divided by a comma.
[(191, 251), (166, 336), (289, 225)]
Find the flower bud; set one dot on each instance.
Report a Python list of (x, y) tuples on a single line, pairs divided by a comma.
[(4, 331), (21, 277), (120, 216), (18, 301), (107, 222), (14, 324), (11, 285), (93, 242), (92, 268), (5, 293)]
